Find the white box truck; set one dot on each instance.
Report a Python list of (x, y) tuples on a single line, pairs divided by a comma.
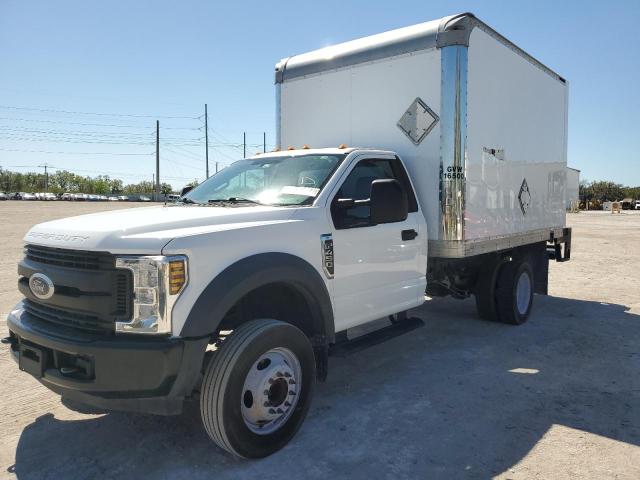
[(426, 159)]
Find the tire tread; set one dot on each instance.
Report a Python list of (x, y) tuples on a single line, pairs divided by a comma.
[(217, 375)]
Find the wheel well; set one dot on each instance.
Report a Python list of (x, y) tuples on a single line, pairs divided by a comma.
[(280, 301)]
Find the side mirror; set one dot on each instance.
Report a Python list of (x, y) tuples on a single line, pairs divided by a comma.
[(388, 202), (186, 190)]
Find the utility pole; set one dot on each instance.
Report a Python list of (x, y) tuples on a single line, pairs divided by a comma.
[(206, 138), (157, 189), (46, 177), (244, 144), (264, 142)]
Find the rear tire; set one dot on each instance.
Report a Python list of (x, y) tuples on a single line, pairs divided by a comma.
[(514, 292), (485, 292), (239, 410)]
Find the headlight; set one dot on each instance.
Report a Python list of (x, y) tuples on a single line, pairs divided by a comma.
[(157, 283)]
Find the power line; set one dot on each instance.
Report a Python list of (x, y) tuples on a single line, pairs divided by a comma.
[(77, 141), (71, 153), (187, 153), (71, 132), (63, 122), (132, 115)]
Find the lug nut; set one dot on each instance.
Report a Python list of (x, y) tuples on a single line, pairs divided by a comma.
[(292, 381), (280, 410), (272, 411), (266, 392), (291, 392), (266, 404), (279, 374), (287, 374), (287, 404)]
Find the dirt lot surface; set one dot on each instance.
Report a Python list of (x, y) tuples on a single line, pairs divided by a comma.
[(558, 397)]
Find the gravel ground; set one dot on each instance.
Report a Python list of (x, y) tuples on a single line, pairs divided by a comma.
[(558, 397)]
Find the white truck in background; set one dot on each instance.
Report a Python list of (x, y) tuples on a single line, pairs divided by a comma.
[(430, 157)]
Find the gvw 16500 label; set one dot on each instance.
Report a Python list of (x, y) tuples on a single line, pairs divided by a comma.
[(452, 172)]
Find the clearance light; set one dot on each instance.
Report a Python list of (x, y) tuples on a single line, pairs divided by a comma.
[(305, 147), (291, 147), (342, 145)]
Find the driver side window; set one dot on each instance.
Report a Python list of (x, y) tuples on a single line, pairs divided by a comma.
[(357, 186)]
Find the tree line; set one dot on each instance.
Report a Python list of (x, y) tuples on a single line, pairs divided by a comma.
[(63, 181), (604, 191)]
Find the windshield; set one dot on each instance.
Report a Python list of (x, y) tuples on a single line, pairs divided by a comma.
[(294, 180)]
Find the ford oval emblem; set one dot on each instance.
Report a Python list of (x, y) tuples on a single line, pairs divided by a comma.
[(41, 286)]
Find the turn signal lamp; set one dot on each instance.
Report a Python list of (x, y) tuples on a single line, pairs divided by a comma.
[(177, 276)]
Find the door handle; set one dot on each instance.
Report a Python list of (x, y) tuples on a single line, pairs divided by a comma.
[(409, 234)]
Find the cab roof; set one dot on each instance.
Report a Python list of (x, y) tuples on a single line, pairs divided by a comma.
[(316, 151)]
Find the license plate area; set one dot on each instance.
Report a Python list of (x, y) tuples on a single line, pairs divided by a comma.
[(33, 359)]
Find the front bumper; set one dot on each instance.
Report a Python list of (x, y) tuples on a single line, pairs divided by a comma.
[(149, 375)]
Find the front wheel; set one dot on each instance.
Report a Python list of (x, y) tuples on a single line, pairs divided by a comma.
[(257, 388)]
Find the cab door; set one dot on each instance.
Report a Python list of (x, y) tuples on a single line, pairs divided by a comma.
[(377, 267)]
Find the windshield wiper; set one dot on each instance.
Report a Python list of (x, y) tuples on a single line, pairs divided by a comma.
[(233, 200)]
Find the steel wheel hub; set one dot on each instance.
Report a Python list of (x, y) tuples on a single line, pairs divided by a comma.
[(271, 390), (523, 293)]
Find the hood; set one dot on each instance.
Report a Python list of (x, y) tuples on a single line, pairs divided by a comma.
[(146, 230)]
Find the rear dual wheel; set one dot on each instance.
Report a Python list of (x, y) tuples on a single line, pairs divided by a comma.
[(505, 293), (257, 388)]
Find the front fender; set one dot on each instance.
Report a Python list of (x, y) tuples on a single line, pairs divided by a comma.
[(253, 272)]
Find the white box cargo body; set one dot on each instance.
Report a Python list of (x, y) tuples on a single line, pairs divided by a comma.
[(480, 124)]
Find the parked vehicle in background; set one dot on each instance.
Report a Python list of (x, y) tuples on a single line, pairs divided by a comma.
[(112, 199), (143, 198), (637, 204), (4, 196), (172, 197), (235, 292), (66, 196), (628, 204), (16, 196), (123, 198), (29, 196)]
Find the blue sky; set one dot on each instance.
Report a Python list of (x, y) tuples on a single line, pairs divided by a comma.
[(126, 63)]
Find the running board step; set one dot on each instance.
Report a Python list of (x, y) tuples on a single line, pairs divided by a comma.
[(346, 347)]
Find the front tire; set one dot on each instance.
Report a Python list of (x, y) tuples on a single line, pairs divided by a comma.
[(257, 388)]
